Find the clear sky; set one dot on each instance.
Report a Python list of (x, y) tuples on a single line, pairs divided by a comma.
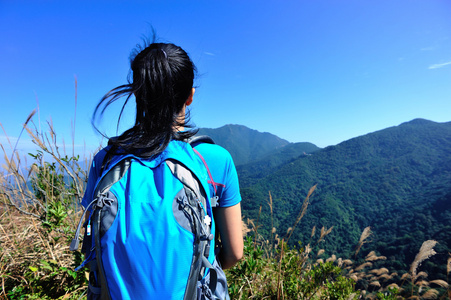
[(320, 71)]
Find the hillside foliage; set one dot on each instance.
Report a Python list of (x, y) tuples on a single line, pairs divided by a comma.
[(395, 180), (285, 257), (244, 144)]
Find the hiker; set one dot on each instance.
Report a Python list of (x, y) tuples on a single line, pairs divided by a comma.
[(161, 81)]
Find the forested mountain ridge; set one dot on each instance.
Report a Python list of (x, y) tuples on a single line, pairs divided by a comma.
[(250, 173), (244, 144), (397, 180)]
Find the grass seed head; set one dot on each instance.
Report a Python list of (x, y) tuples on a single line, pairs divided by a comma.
[(363, 266), (375, 283), (430, 294), (448, 265), (426, 251), (439, 282)]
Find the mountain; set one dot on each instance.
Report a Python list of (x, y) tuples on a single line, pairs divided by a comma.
[(397, 180), (244, 144), (250, 173)]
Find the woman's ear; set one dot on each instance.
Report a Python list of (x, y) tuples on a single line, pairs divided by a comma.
[(190, 97)]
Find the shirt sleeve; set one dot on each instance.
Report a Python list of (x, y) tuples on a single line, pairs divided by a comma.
[(230, 195), (224, 174)]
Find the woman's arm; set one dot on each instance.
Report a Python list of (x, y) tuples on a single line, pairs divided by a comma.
[(228, 222)]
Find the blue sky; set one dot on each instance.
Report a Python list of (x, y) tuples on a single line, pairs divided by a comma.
[(317, 71)]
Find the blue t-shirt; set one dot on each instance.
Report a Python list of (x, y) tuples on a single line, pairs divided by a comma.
[(220, 166), (223, 173)]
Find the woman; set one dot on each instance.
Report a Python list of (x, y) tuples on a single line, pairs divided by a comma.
[(162, 84)]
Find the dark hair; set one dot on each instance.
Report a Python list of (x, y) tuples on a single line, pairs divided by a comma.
[(162, 81)]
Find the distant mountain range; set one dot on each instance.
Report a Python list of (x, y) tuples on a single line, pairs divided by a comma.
[(396, 180), (244, 144)]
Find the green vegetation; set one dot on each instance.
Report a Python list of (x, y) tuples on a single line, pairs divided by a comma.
[(395, 180), (286, 274), (317, 276), (247, 145), (39, 207)]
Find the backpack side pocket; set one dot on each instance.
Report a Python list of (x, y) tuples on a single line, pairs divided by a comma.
[(221, 292)]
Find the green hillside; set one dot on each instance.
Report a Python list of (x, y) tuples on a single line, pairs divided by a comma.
[(397, 180), (244, 144), (250, 173)]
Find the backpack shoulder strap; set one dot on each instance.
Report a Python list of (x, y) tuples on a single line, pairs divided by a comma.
[(194, 141), (113, 175), (199, 139), (203, 228)]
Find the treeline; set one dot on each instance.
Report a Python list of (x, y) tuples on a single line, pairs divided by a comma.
[(313, 247), (395, 180)]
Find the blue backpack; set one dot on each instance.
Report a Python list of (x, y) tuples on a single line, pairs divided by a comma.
[(150, 234)]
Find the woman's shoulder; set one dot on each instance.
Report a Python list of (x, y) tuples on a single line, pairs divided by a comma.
[(213, 151), (216, 157), (101, 153), (99, 157)]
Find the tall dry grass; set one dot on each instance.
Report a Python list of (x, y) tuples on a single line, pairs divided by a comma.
[(373, 279), (39, 208)]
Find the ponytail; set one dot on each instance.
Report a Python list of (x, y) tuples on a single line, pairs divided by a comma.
[(162, 81)]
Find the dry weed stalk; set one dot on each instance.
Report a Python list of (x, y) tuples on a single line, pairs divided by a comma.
[(278, 275), (426, 251), (256, 227), (371, 254), (384, 277), (245, 228), (324, 233), (422, 274), (313, 232), (272, 217), (340, 262), (332, 258), (16, 191), (448, 264), (430, 294), (439, 282), (405, 276), (448, 270), (448, 267), (380, 271), (302, 211), (30, 238), (373, 257), (354, 277), (422, 283), (363, 266), (19, 250), (363, 239)]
